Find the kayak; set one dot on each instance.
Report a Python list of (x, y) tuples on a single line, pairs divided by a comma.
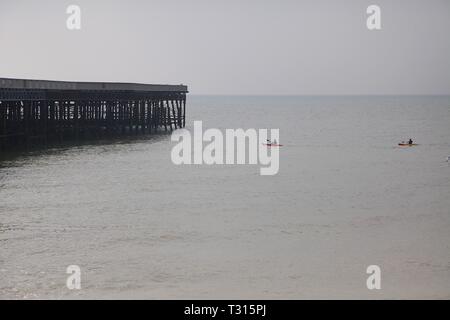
[(407, 144), (272, 144)]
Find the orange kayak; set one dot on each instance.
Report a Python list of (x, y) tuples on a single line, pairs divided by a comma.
[(407, 144)]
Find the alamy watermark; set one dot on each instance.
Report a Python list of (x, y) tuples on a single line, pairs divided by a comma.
[(374, 19), (73, 21), (241, 146), (374, 280), (73, 281)]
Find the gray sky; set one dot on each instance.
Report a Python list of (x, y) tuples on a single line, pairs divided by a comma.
[(234, 47)]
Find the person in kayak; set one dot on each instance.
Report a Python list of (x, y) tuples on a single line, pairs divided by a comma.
[(410, 142), (270, 142)]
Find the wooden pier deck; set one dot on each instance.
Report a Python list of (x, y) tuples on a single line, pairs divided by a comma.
[(37, 112)]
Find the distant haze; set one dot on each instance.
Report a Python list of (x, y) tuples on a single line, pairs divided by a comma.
[(234, 47)]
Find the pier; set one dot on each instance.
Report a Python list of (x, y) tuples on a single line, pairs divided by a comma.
[(38, 112)]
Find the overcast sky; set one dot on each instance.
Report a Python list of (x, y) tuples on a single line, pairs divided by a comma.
[(234, 47)]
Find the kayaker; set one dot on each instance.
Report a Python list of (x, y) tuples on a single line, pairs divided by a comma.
[(410, 141)]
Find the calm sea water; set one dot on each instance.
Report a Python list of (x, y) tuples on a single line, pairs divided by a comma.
[(345, 197)]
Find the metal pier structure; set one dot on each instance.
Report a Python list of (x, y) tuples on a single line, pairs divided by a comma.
[(37, 112)]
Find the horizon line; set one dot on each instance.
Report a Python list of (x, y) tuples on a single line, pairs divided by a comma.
[(322, 95)]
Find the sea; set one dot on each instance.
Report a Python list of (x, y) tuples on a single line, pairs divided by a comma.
[(137, 226)]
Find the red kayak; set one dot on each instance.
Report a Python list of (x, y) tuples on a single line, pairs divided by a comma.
[(272, 144)]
